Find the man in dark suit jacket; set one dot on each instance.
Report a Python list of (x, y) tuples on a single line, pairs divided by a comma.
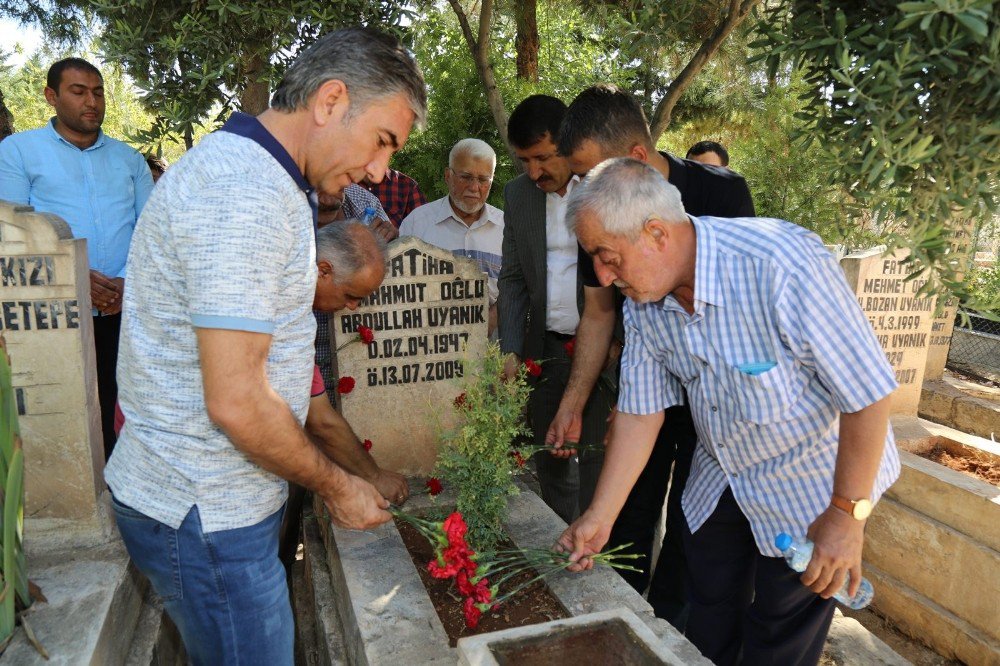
[(541, 298), (601, 123)]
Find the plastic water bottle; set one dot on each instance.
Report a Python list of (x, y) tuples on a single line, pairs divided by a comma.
[(798, 552), (368, 217)]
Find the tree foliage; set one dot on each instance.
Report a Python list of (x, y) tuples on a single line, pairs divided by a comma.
[(572, 56), (197, 61), (125, 117), (905, 98)]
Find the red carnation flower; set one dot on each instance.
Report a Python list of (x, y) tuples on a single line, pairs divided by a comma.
[(366, 334), (481, 592), (345, 385), (434, 486), (570, 347), (533, 368), (472, 613), (455, 528), (464, 586), (367, 444), (460, 402), (443, 572), (518, 458)]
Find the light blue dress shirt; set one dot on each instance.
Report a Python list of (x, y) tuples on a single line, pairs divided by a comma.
[(99, 190), (776, 349)]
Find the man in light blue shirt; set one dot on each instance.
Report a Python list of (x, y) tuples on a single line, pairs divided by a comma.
[(99, 185), (788, 388)]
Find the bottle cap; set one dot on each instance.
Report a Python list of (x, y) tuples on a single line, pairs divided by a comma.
[(783, 541)]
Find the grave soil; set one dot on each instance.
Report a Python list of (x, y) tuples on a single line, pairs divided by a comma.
[(531, 605), (982, 467)]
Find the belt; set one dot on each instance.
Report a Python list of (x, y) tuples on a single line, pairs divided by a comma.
[(562, 337)]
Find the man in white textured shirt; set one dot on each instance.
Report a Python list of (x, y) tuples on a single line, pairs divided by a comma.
[(462, 222), (541, 298), (217, 339)]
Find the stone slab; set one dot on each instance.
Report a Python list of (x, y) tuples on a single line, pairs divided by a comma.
[(430, 319), (328, 632), (387, 615), (479, 650), (955, 571), (962, 405), (368, 603), (94, 604), (532, 524), (964, 503), (901, 320), (849, 643), (922, 619)]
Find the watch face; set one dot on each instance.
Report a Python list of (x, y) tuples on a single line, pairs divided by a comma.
[(862, 509)]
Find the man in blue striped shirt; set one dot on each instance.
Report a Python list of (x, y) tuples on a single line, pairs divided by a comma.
[(788, 389)]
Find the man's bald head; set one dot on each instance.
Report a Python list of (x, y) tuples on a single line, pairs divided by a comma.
[(351, 261)]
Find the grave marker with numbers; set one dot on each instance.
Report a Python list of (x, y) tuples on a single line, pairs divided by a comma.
[(430, 320)]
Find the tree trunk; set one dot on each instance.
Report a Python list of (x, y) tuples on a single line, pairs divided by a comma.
[(526, 41), (480, 48), (738, 11), (256, 96), (6, 120)]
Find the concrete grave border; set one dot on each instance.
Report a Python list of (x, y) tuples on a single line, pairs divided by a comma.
[(390, 618), (932, 548), (478, 650)]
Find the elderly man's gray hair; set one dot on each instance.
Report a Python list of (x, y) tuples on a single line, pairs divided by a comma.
[(371, 64), (349, 246), (474, 148), (623, 193)]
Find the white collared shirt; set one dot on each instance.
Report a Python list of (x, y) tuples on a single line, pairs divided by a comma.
[(437, 224), (562, 313)]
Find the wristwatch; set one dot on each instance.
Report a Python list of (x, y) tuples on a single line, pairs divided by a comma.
[(856, 509)]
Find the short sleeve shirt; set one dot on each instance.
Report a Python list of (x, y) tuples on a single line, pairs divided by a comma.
[(225, 241), (776, 349)]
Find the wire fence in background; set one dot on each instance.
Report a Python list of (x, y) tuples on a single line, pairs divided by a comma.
[(976, 350)]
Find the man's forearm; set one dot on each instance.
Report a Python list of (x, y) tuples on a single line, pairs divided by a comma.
[(862, 440), (259, 423), (333, 435)]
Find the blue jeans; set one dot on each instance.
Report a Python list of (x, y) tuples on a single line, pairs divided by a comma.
[(226, 591)]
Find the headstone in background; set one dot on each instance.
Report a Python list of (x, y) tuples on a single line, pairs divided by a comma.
[(902, 320), (430, 319), (943, 325), (45, 317)]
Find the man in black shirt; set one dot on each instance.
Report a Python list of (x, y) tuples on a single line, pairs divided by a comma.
[(601, 123)]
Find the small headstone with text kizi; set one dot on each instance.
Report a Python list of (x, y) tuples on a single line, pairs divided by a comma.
[(45, 317)]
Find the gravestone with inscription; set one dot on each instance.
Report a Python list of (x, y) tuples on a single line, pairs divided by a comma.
[(902, 320), (430, 320), (45, 317)]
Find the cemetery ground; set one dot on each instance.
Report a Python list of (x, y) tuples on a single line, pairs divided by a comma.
[(932, 545)]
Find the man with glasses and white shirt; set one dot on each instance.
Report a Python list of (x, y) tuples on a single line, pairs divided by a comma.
[(462, 222)]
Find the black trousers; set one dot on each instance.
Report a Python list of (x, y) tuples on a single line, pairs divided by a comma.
[(567, 485), (106, 334), (637, 521), (747, 608)]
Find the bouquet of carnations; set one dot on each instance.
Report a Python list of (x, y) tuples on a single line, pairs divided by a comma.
[(479, 576)]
